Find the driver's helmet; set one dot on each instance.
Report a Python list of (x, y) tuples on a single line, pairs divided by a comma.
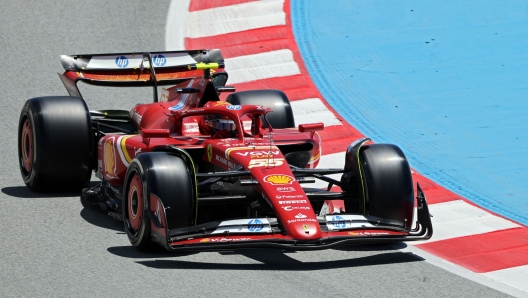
[(216, 123)]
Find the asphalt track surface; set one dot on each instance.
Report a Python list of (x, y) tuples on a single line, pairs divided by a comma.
[(53, 246)]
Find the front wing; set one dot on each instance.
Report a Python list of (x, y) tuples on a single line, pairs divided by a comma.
[(337, 229)]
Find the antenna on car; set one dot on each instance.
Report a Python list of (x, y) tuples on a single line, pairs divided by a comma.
[(270, 129), (152, 74)]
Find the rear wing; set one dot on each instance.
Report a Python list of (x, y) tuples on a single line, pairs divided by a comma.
[(138, 69)]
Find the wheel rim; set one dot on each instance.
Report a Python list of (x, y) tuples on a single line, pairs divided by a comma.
[(27, 146), (135, 203)]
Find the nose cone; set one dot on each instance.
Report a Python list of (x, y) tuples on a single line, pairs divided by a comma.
[(304, 230)]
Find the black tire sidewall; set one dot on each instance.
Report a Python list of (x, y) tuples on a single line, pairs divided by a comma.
[(141, 239), (166, 176), (29, 178), (389, 187), (62, 143)]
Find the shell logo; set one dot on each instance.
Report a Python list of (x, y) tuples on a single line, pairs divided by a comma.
[(205, 240), (221, 103), (109, 157), (279, 179)]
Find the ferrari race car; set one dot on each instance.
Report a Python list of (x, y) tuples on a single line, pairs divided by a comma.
[(190, 171)]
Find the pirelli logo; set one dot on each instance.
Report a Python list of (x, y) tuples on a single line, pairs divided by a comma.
[(292, 202)]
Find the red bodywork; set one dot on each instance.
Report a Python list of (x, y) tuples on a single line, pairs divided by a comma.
[(175, 120), (254, 150)]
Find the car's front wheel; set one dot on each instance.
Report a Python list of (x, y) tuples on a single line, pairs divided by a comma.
[(388, 179), (168, 179)]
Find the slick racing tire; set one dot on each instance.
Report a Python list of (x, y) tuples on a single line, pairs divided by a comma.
[(389, 186), (167, 178), (282, 115), (55, 143)]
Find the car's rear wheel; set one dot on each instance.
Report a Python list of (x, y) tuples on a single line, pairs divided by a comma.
[(166, 177), (388, 179), (55, 143), (282, 115)]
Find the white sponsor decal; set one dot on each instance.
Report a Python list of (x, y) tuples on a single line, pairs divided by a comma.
[(274, 162), (337, 222), (301, 220), (228, 239), (255, 225), (259, 153), (285, 189), (300, 215), (191, 111), (244, 145), (234, 107), (135, 61), (205, 240), (191, 127), (292, 202), (225, 161), (289, 197), (290, 208), (360, 233)]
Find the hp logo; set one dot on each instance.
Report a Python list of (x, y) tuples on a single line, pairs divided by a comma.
[(159, 60), (255, 225), (234, 107), (338, 222), (121, 61)]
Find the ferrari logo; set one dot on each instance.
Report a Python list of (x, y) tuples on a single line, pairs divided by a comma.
[(305, 227), (209, 152)]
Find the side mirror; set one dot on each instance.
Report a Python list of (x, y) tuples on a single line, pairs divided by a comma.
[(311, 127)]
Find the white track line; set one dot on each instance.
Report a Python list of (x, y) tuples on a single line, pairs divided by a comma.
[(261, 66), (313, 110), (457, 219), (177, 28), (514, 277), (487, 279), (236, 18)]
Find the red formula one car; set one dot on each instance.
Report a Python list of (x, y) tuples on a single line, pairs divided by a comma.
[(193, 172)]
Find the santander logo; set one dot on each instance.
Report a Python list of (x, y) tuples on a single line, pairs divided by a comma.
[(300, 215)]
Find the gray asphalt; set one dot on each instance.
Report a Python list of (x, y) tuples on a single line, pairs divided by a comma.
[(51, 245)]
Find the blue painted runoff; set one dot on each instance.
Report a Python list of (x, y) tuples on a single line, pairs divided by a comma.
[(447, 81)]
